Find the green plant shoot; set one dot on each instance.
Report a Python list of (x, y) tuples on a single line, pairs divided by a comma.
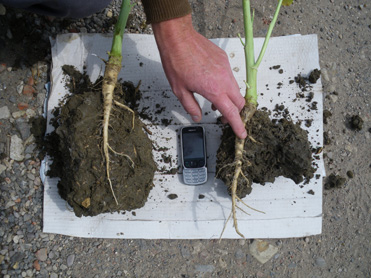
[(251, 64)]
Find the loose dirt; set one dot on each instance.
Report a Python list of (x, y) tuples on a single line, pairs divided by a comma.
[(281, 149), (77, 151)]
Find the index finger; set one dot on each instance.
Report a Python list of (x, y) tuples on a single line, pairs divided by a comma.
[(231, 114)]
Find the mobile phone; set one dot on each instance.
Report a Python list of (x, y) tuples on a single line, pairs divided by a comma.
[(193, 147)]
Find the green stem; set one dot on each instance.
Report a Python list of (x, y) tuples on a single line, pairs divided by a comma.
[(269, 33), (251, 73), (251, 95), (118, 35)]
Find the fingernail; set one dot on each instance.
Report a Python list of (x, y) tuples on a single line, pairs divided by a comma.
[(244, 134), (195, 118)]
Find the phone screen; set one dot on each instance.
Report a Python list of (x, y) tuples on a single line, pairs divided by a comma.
[(193, 147)]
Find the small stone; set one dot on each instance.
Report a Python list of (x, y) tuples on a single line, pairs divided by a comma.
[(42, 254), (262, 250), (70, 260), (4, 112), (16, 148), (16, 239), (2, 168), (239, 254), (333, 98), (54, 275), (22, 106), (16, 265), (222, 263), (23, 127), (109, 14), (12, 99), (241, 242), (28, 90), (2, 9), (9, 204), (20, 88), (320, 262), (204, 268), (36, 265), (324, 74), (18, 114), (9, 34), (30, 113), (184, 251)]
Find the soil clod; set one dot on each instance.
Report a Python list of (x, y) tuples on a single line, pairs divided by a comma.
[(275, 148), (78, 156), (356, 122), (314, 76), (334, 181)]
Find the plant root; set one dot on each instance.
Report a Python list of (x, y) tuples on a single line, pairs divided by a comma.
[(119, 104), (239, 160)]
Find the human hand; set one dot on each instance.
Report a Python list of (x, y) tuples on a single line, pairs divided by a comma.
[(194, 64)]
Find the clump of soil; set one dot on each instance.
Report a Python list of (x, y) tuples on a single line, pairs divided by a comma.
[(326, 114), (314, 76), (281, 149), (356, 122), (302, 81), (334, 181), (78, 158)]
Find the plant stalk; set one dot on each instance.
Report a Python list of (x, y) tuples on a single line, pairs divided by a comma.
[(251, 95), (118, 35)]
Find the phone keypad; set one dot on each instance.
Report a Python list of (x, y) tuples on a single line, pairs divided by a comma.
[(195, 176)]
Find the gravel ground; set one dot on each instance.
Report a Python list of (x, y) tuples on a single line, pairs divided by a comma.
[(342, 250)]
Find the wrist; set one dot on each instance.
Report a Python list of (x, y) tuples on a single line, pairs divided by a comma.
[(170, 33)]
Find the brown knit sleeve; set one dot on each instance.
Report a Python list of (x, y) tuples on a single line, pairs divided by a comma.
[(161, 10)]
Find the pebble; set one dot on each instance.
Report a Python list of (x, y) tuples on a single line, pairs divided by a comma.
[(320, 262), (2, 168), (20, 88), (204, 268), (70, 260), (262, 250), (23, 127), (42, 254), (222, 263), (239, 254), (18, 114), (16, 148), (241, 242), (184, 251), (4, 112), (324, 75), (333, 98), (12, 99), (2, 9)]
